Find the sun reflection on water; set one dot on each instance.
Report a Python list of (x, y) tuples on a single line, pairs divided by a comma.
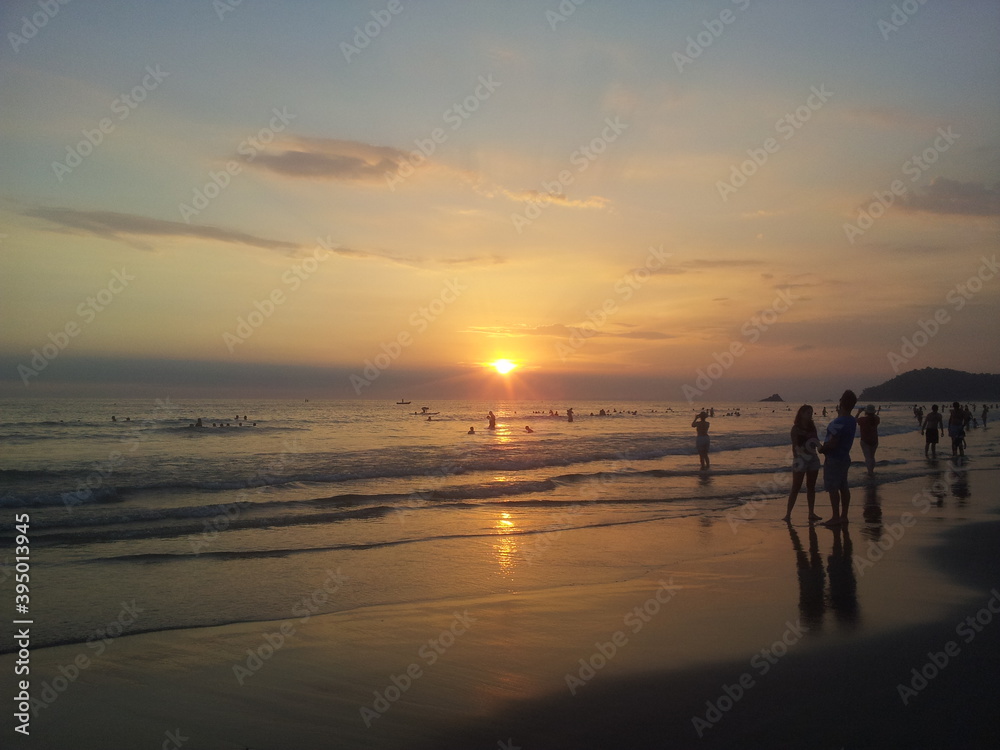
[(505, 547)]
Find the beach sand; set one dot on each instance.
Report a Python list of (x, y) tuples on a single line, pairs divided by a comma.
[(731, 631)]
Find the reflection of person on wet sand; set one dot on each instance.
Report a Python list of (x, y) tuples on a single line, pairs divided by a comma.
[(960, 486), (493, 420), (812, 578), (843, 584), (805, 461), (872, 513)]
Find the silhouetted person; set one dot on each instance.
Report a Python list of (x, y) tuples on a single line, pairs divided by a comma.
[(932, 428), (702, 441), (837, 450), (868, 436), (956, 429), (805, 460), (493, 420)]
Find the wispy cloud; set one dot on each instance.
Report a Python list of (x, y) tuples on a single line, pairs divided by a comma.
[(415, 261), (565, 330), (331, 159), (135, 231), (128, 228), (537, 196), (355, 161), (702, 265), (944, 196), (910, 248), (555, 329)]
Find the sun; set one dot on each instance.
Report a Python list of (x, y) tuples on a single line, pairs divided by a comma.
[(503, 366)]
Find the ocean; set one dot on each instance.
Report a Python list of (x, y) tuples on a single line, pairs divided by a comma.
[(285, 507)]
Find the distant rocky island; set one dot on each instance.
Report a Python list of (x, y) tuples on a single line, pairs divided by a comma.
[(772, 397), (935, 384)]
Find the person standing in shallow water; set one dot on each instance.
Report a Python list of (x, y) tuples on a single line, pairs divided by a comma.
[(956, 430), (837, 450), (932, 427), (702, 441), (868, 434), (805, 461)]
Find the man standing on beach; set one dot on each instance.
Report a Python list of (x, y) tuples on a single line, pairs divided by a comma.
[(868, 429), (956, 430), (837, 450), (932, 426)]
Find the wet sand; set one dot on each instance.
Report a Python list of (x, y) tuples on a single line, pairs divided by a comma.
[(732, 631)]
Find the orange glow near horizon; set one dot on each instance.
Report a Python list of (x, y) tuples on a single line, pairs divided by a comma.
[(503, 366)]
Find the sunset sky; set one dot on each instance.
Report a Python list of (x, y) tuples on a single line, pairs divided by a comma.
[(299, 198)]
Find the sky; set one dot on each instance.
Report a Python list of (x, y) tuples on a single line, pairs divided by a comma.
[(668, 200)]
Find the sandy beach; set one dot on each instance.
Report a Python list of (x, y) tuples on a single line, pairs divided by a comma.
[(729, 631)]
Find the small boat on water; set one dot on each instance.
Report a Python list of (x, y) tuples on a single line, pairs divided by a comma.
[(402, 402)]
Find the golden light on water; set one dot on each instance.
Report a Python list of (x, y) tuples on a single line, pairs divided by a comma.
[(505, 548)]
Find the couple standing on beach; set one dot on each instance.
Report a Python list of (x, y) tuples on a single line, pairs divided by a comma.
[(837, 453)]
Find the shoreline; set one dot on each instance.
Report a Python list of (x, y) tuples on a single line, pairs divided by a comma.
[(713, 597)]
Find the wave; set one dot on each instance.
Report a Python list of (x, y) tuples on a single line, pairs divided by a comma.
[(443, 473), (243, 471), (161, 557), (118, 524), (208, 620)]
